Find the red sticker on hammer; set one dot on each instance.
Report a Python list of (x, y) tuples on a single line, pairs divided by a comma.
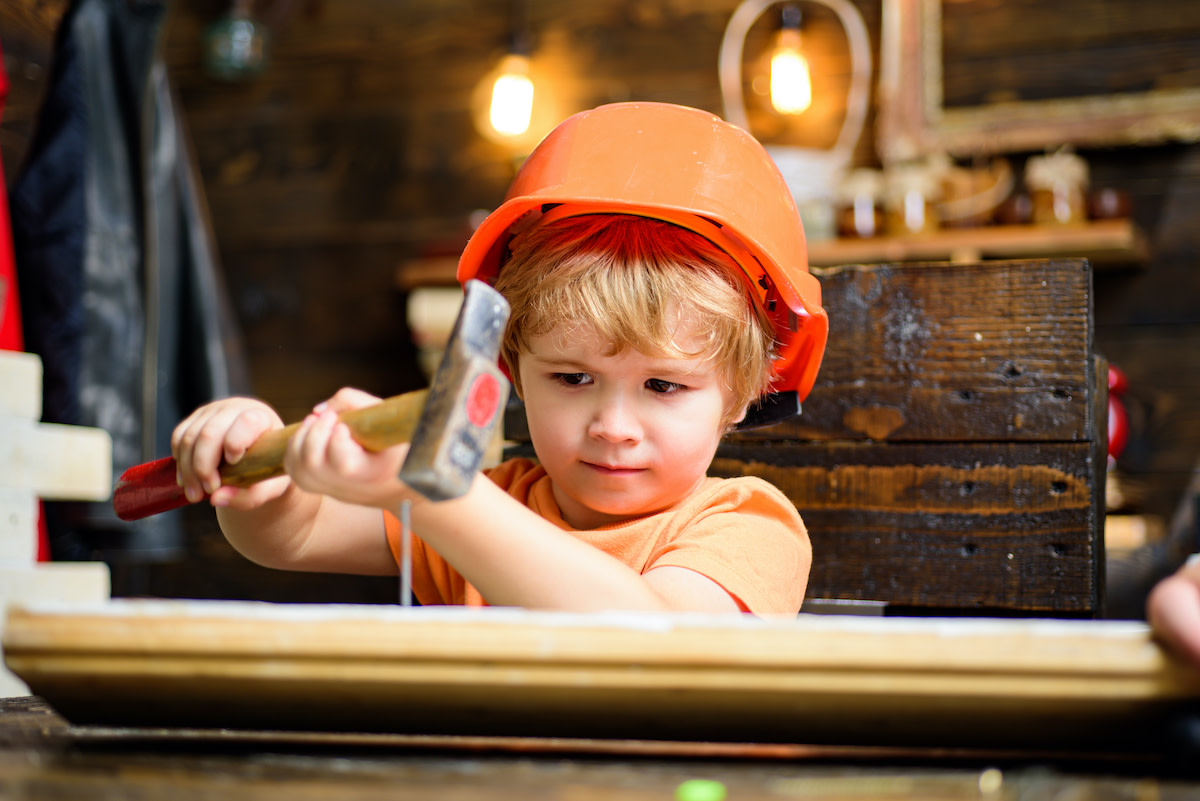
[(483, 399)]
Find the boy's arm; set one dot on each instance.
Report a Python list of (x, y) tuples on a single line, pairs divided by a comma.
[(316, 533), (273, 522), (515, 557), (512, 555), (1173, 610)]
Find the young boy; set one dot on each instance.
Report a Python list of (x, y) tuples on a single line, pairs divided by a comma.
[(655, 266)]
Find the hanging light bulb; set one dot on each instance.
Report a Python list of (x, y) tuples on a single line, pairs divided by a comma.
[(791, 85), (512, 97), (511, 106)]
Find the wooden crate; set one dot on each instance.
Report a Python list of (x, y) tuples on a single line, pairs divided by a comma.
[(951, 456)]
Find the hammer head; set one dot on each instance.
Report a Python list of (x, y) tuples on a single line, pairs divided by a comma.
[(465, 400)]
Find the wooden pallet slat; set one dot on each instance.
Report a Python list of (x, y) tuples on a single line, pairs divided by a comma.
[(963, 682)]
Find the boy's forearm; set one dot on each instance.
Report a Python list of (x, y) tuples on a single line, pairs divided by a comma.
[(1173, 609), (311, 532), (515, 557), (273, 534)]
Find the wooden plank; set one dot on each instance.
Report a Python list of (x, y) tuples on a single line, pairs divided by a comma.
[(1022, 51), (20, 385), (973, 527), (56, 461), (1101, 241), (71, 582), (996, 351), (18, 528), (1069, 684)]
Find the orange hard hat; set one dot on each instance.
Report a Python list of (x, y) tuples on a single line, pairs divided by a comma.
[(691, 168)]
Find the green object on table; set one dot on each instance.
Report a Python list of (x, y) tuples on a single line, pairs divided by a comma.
[(700, 790)]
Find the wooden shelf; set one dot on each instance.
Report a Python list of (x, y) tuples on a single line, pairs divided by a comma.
[(1106, 242)]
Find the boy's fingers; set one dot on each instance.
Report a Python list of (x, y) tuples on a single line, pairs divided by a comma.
[(348, 398), (210, 435), (1175, 615), (211, 445), (244, 430), (306, 449), (198, 455), (344, 452), (250, 497), (224, 496)]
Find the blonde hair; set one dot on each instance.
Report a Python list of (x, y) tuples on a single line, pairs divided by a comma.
[(630, 280)]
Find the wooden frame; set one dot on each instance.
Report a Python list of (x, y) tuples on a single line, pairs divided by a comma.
[(1059, 685), (913, 121)]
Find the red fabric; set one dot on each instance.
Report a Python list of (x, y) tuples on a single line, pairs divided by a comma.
[(10, 306), (10, 311)]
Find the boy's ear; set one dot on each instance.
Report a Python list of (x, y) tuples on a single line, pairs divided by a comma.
[(737, 417)]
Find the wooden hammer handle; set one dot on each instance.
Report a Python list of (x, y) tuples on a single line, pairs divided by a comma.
[(387, 423), (151, 488)]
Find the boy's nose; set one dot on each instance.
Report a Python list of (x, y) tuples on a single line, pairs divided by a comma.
[(615, 420)]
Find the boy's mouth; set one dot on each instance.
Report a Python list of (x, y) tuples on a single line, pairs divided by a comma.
[(613, 470)]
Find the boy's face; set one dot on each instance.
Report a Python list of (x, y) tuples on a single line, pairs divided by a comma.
[(621, 436)]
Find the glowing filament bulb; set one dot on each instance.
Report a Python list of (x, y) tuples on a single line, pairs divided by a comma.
[(512, 97), (791, 87)]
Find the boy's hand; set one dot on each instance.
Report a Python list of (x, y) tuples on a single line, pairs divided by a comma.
[(222, 431), (1173, 610), (322, 456)]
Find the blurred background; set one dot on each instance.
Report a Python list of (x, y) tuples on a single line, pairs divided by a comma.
[(341, 151)]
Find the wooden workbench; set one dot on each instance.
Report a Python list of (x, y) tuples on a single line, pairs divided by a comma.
[(43, 757)]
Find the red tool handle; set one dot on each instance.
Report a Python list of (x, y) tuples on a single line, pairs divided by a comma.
[(149, 489)]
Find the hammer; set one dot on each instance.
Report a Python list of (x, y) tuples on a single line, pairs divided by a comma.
[(448, 425)]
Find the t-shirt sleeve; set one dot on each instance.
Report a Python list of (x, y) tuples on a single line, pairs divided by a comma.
[(750, 539), (434, 582)]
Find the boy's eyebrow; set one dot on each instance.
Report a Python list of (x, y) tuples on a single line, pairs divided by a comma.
[(695, 367), (558, 361), (666, 366)]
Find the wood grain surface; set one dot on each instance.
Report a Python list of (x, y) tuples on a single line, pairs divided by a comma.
[(44, 757), (1067, 685)]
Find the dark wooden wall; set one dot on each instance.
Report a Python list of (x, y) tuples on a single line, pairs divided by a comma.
[(356, 152)]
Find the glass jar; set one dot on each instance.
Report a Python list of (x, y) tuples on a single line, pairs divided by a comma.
[(1058, 184), (860, 204), (911, 192)]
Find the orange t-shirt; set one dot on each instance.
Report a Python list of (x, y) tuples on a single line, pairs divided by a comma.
[(742, 533)]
